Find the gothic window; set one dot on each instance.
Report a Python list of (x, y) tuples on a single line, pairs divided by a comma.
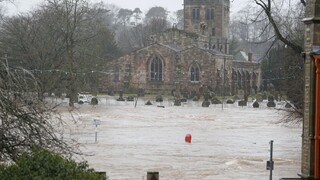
[(196, 13), (127, 73), (156, 69), (213, 32), (209, 14), (194, 72)]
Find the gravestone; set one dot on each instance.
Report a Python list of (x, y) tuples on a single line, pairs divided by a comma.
[(242, 103), (255, 104), (121, 96), (159, 98), (148, 103), (230, 101), (271, 104), (94, 101), (130, 98), (215, 101), (205, 104)]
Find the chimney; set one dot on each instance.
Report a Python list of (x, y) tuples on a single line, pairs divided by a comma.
[(250, 57)]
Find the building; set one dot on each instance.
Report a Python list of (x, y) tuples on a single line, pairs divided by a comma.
[(190, 59), (310, 158)]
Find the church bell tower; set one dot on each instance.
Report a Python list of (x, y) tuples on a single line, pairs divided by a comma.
[(209, 19)]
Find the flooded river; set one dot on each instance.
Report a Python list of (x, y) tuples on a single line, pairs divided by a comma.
[(228, 143)]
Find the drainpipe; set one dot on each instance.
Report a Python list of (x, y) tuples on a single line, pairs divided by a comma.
[(317, 119)]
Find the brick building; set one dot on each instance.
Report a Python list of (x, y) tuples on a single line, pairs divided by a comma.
[(189, 59)]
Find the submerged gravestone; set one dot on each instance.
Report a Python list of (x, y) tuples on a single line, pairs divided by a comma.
[(205, 104), (215, 101), (242, 103), (230, 101), (120, 96), (255, 104), (148, 103), (159, 98), (183, 100), (130, 98), (271, 104), (94, 101)]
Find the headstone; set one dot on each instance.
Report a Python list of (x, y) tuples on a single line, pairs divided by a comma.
[(183, 100), (205, 104), (130, 98), (255, 104), (215, 101), (271, 104), (242, 103), (230, 101), (148, 103), (94, 101), (120, 96), (159, 98)]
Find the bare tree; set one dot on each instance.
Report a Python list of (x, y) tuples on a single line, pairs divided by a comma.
[(25, 120), (271, 13), (285, 18), (63, 42)]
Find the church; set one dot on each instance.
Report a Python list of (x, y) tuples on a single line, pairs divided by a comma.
[(190, 59)]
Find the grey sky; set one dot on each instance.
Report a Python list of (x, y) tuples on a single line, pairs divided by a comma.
[(144, 5)]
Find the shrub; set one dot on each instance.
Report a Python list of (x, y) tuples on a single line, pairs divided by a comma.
[(43, 164)]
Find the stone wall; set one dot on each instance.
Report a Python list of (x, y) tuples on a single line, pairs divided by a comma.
[(312, 38)]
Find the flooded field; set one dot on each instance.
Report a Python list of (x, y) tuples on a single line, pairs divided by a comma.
[(228, 143)]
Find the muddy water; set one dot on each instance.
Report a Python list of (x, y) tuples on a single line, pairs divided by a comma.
[(232, 143)]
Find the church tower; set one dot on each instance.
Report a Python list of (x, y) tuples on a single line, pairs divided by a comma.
[(210, 19)]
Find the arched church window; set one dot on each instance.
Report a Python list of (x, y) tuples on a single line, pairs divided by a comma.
[(196, 13), (156, 67), (209, 14), (194, 72)]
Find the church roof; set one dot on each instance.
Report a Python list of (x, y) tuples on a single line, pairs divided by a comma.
[(173, 47)]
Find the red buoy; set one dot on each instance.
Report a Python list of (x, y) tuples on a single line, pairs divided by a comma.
[(188, 138)]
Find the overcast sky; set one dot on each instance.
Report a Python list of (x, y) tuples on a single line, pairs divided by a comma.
[(144, 5)]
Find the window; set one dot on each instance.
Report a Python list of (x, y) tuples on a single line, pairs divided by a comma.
[(127, 73), (156, 69), (213, 32), (194, 72), (210, 14), (196, 13)]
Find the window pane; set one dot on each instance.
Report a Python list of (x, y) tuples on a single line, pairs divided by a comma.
[(156, 70)]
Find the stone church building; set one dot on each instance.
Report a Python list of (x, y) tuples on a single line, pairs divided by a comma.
[(189, 59)]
